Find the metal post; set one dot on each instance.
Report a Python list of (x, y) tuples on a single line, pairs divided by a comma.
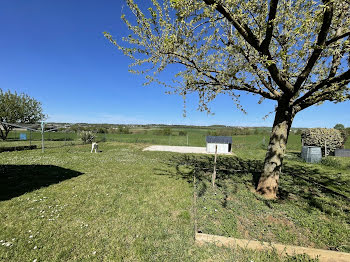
[(30, 137), (325, 148), (187, 139), (42, 136)]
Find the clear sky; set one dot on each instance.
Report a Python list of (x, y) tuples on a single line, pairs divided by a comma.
[(55, 52)]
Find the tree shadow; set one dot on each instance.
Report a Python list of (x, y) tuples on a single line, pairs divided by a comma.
[(298, 182), (16, 180)]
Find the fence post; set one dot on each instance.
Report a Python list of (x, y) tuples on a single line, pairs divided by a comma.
[(194, 205), (42, 136), (325, 148), (214, 172), (30, 137), (187, 138)]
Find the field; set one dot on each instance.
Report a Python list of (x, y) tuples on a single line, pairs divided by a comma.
[(192, 137), (124, 204)]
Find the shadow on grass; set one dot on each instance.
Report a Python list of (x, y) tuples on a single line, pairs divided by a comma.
[(16, 180), (327, 192)]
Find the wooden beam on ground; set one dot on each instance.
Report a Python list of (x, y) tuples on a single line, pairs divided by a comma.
[(321, 254)]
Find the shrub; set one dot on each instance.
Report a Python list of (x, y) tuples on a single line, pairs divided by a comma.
[(102, 130), (166, 131), (123, 129), (182, 133), (86, 136), (321, 136), (331, 162)]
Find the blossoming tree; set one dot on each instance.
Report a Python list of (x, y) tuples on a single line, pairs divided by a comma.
[(295, 52)]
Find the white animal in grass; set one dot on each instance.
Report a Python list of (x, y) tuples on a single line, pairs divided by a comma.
[(94, 146)]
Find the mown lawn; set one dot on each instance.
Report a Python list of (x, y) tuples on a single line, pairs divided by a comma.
[(124, 204), (313, 208)]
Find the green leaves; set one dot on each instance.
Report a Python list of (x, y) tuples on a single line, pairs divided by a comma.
[(16, 108)]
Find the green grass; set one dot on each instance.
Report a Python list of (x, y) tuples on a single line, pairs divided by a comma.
[(312, 210), (126, 204), (119, 205)]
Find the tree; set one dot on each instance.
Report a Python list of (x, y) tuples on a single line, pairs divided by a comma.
[(17, 109), (339, 126), (293, 52)]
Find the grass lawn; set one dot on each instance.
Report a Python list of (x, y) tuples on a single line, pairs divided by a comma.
[(128, 205)]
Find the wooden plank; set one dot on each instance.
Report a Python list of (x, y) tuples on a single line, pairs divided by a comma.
[(321, 254)]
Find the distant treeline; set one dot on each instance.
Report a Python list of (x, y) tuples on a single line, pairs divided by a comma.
[(171, 130), (101, 129)]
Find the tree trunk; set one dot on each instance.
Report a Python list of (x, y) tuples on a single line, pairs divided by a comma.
[(4, 132), (268, 182)]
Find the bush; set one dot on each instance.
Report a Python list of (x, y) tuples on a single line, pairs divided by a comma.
[(123, 129), (182, 133), (321, 136), (86, 136), (102, 130), (166, 131), (331, 162)]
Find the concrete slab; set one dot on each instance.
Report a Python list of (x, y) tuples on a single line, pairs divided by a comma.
[(179, 149)]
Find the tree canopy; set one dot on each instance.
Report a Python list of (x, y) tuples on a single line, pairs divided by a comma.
[(339, 126), (268, 48), (17, 108), (295, 52)]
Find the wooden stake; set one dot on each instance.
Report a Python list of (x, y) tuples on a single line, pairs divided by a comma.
[(194, 205), (214, 172)]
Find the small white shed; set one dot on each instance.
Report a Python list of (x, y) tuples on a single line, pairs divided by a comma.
[(223, 143)]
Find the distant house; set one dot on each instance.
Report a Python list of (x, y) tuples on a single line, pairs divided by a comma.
[(223, 144)]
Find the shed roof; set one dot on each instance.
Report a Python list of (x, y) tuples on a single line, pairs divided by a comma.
[(219, 139)]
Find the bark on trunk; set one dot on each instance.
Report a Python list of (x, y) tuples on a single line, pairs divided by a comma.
[(4, 132), (268, 182)]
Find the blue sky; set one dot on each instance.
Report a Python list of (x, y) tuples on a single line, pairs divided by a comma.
[(55, 52)]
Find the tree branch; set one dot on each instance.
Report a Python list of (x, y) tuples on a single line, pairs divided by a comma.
[(249, 36), (321, 40), (268, 85), (244, 87), (336, 38), (320, 98), (243, 29), (270, 24), (307, 99)]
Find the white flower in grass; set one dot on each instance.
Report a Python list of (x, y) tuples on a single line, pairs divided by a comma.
[(35, 260), (31, 236), (7, 244), (94, 253), (35, 247)]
